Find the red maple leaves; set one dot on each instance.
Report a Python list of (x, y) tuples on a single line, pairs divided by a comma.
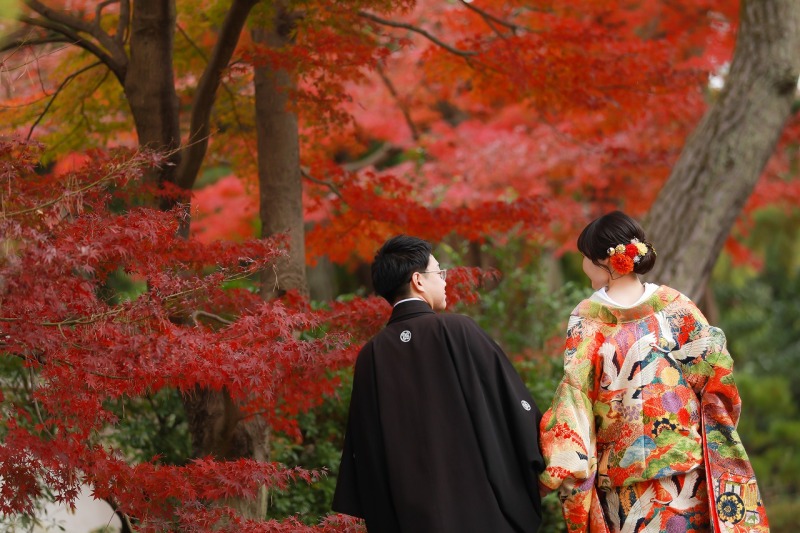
[(181, 327)]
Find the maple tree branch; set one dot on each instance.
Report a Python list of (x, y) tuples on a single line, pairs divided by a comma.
[(353, 166), (403, 107), (34, 60), (127, 527), (73, 38), (41, 418), (203, 102), (85, 320), (12, 42), (424, 33), (86, 187), (63, 84), (372, 159), (124, 22), (206, 314), (327, 184), (29, 389), (491, 20), (90, 372), (78, 25), (225, 86), (98, 12), (60, 17), (39, 359), (85, 118), (98, 374)]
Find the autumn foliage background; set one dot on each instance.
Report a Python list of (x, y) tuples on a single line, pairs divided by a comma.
[(496, 129)]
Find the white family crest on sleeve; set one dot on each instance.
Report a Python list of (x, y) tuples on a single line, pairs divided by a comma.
[(525, 405), (405, 336)]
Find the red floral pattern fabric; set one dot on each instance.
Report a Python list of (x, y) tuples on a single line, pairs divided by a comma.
[(641, 436)]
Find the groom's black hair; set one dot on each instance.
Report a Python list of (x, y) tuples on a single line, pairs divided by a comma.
[(394, 264)]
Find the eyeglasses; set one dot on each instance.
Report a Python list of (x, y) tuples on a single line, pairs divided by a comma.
[(442, 273)]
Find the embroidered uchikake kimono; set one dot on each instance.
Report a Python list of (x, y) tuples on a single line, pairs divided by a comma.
[(641, 436)]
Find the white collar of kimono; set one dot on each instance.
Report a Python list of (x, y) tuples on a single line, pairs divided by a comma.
[(649, 289), (407, 300)]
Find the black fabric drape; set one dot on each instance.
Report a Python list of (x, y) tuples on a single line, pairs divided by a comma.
[(442, 434)]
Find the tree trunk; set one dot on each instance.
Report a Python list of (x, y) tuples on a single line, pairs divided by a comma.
[(218, 429), (281, 191), (150, 84), (215, 422), (723, 159)]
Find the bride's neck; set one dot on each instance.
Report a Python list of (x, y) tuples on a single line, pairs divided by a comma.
[(626, 289)]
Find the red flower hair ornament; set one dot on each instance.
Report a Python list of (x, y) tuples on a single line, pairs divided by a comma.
[(623, 257)]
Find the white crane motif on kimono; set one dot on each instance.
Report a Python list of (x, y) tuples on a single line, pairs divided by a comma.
[(626, 378)]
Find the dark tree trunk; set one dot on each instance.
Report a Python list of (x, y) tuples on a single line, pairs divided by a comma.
[(216, 424), (724, 157), (150, 84), (219, 429), (281, 190)]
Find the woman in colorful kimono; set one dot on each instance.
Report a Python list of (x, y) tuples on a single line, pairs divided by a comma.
[(641, 436)]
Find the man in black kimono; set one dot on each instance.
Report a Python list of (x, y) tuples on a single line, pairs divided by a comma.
[(442, 434)]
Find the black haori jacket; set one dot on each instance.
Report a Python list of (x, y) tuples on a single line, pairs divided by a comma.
[(442, 434)]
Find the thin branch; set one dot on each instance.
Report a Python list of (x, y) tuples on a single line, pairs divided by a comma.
[(59, 16), (372, 159), (206, 91), (124, 519), (116, 67), (64, 83), (36, 58), (492, 26), (76, 24), (86, 187), (424, 33), (490, 19), (20, 39), (36, 404), (88, 93), (403, 107), (98, 12), (327, 184), (12, 37), (353, 166), (64, 138), (9, 45), (39, 74), (83, 321), (90, 372), (228, 91), (206, 314), (124, 22)]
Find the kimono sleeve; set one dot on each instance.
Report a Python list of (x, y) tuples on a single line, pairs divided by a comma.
[(568, 433), (362, 488), (734, 498), (505, 420)]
